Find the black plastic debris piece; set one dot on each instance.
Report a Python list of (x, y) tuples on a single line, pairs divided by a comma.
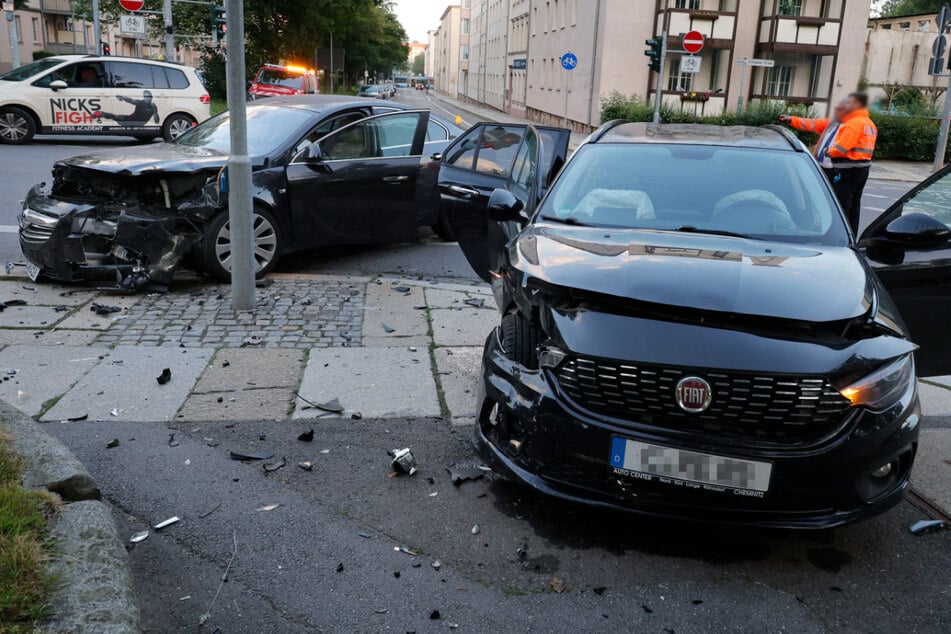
[(924, 527), (600, 590), (435, 616), (270, 467), (387, 328), (417, 564), (76, 419), (459, 474), (356, 416), (12, 302), (104, 311), (522, 551), (210, 511), (262, 435), (646, 609), (225, 364), (332, 406), (477, 303), (60, 309), (396, 573), (402, 289), (113, 443), (265, 283), (404, 461), (307, 436), (346, 336), (164, 377), (340, 567), (247, 457), (221, 399), (836, 589), (697, 601), (172, 441)]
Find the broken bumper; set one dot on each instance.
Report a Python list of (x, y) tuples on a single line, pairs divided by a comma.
[(531, 432)]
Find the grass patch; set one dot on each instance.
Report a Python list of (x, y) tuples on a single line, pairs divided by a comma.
[(24, 548), (510, 591), (218, 105)]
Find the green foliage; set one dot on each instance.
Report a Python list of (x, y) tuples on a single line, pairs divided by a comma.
[(419, 65), (900, 137), (905, 7), (42, 54)]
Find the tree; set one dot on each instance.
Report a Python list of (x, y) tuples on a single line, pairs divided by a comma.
[(891, 8), (419, 65)]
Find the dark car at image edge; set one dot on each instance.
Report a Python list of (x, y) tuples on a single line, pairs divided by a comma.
[(690, 330)]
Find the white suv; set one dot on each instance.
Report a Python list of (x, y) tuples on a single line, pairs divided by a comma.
[(85, 94)]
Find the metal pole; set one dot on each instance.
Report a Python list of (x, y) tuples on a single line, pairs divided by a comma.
[(14, 39), (169, 38), (658, 93), (567, 86), (331, 63), (96, 27), (943, 134), (739, 100), (240, 203)]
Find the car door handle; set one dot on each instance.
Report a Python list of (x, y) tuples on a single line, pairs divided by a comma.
[(395, 179), (465, 192)]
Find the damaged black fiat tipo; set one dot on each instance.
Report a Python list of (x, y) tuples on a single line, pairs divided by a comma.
[(689, 329)]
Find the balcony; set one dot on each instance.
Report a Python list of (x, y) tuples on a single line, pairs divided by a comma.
[(715, 19), (61, 7), (801, 26)]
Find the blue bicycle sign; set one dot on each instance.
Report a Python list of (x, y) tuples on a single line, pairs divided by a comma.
[(569, 61)]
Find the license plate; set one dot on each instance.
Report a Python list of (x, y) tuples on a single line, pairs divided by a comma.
[(32, 270), (691, 469)]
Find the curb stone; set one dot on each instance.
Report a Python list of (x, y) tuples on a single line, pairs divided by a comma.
[(96, 593)]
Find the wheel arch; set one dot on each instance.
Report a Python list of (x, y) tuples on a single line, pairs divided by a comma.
[(27, 109)]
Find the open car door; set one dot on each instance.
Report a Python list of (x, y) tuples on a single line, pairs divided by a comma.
[(489, 156), (909, 247)]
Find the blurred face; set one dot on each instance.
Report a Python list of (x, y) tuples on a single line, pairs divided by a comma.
[(852, 105), (841, 109)]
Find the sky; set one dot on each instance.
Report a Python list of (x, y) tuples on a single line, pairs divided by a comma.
[(420, 16)]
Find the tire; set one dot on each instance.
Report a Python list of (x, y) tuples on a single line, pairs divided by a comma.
[(17, 126), (176, 125), (443, 228), (145, 138), (216, 245), (520, 339)]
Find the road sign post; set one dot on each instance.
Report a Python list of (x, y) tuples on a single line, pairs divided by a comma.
[(8, 8), (743, 63), (659, 92), (938, 67), (569, 61)]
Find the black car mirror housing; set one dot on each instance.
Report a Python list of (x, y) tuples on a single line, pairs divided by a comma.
[(313, 153), (504, 206), (917, 230)]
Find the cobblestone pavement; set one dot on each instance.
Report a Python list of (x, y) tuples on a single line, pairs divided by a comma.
[(290, 314)]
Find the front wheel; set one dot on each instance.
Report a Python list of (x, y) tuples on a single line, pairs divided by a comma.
[(520, 340), (177, 125), (16, 126), (216, 245), (443, 228)]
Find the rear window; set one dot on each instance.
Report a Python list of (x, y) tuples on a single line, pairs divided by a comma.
[(131, 75), (763, 194), (176, 79), (279, 77)]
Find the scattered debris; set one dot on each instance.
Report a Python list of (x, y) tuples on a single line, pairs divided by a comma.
[(245, 457), (381, 611), (225, 364), (459, 474), (404, 462), (267, 507), (356, 416), (522, 551), (11, 303), (139, 537), (340, 567), (476, 303), (396, 573), (697, 601), (404, 550), (928, 526), (104, 311), (224, 577), (646, 609), (417, 564), (265, 283), (436, 564), (476, 529), (402, 289), (164, 377), (113, 443), (60, 309), (364, 535), (274, 466), (557, 585), (165, 523), (253, 340), (115, 412), (76, 419), (307, 436), (210, 511), (346, 335), (306, 465), (435, 616), (600, 590), (387, 328), (434, 494), (172, 441), (332, 405)]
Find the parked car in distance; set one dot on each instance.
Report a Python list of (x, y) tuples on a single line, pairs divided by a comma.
[(327, 170), (373, 91), (89, 95), (273, 80), (690, 330)]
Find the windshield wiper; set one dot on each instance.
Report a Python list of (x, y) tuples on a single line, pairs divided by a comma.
[(713, 232), (566, 221)]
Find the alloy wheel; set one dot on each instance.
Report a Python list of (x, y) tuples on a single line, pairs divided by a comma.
[(13, 127), (178, 127), (265, 243)]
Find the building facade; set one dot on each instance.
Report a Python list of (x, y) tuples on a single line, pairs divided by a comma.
[(816, 47), (446, 48), (897, 53)]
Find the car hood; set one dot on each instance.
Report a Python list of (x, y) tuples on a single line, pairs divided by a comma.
[(155, 157), (701, 272), (273, 91)]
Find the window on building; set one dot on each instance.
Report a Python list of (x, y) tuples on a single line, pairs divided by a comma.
[(904, 26), (36, 30), (688, 4), (677, 81), (924, 26), (464, 51), (790, 7), (464, 26), (887, 27), (779, 81)]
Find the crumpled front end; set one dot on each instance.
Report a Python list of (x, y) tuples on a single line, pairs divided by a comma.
[(135, 230)]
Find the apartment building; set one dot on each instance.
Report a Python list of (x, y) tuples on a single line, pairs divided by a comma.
[(447, 47), (817, 47)]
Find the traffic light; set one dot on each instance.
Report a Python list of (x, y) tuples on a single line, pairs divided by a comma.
[(106, 49), (654, 52), (219, 21)]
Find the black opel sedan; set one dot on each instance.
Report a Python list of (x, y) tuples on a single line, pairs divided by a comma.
[(326, 171), (690, 330)]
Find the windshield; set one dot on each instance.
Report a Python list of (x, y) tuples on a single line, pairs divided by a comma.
[(269, 127), (278, 77), (765, 194), (369, 88), (30, 70)]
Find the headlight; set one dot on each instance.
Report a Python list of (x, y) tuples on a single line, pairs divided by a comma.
[(883, 387)]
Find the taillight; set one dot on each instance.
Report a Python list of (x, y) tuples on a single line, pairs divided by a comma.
[(206, 98)]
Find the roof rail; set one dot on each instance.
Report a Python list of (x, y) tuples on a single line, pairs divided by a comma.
[(605, 128), (791, 138)]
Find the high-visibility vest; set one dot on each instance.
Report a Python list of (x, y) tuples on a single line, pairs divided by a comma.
[(854, 141)]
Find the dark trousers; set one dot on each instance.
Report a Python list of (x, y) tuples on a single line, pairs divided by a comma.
[(848, 185)]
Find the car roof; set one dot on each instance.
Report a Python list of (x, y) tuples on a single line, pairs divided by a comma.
[(117, 58), (766, 137)]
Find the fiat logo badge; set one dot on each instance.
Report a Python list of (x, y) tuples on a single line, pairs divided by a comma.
[(693, 394)]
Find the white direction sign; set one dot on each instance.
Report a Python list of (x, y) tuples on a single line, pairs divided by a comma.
[(689, 64), (8, 7), (132, 24), (765, 63)]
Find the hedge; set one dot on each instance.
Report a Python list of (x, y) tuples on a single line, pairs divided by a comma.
[(900, 138)]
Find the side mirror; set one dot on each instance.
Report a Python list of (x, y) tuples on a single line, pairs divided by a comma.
[(917, 230), (314, 155), (58, 84), (504, 206)]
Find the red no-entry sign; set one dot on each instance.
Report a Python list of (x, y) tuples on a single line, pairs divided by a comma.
[(132, 5), (692, 42)]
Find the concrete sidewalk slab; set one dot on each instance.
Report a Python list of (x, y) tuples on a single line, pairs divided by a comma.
[(43, 373), (249, 368), (125, 381), (44, 294), (931, 476), (58, 337), (459, 370), (240, 405), (391, 314), (462, 327), (377, 382), (439, 298), (935, 401), (85, 319), (32, 317)]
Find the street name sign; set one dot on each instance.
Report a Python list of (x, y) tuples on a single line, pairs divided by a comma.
[(765, 63)]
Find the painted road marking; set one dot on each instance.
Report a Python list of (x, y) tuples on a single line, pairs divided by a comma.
[(9, 228)]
